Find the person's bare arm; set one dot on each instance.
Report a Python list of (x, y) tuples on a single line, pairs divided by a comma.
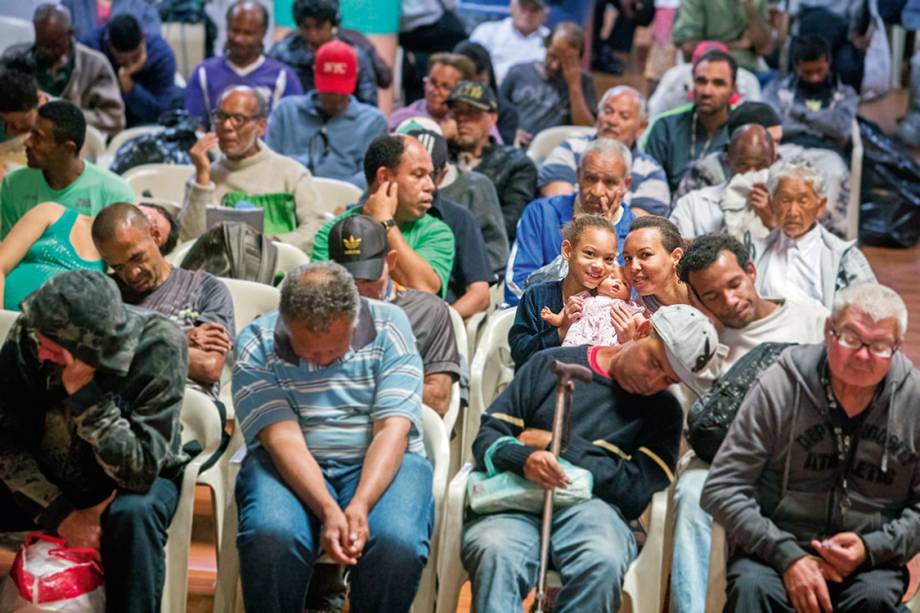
[(557, 188), (571, 71), (299, 470), (381, 463), (474, 300), (208, 345), (436, 391), (411, 270)]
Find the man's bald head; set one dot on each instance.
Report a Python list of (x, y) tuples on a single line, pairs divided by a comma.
[(249, 8), (247, 96), (53, 33), (750, 148), (114, 218)]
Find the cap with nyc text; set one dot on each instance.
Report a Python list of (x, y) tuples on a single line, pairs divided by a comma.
[(690, 341), (359, 243), (474, 94), (335, 70)]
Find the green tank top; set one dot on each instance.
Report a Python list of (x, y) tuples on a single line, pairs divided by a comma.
[(50, 254)]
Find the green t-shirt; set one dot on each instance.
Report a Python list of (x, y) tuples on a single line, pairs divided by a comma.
[(721, 20), (429, 237), (94, 189)]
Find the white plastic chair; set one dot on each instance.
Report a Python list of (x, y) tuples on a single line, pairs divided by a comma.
[(228, 596), (121, 138), (289, 258), (93, 145), (200, 422), (453, 415), (7, 319), (334, 196), (547, 140), (856, 161), (162, 181), (251, 300), (490, 373), (14, 31), (644, 586)]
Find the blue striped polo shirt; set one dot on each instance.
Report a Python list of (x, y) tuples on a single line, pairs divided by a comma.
[(336, 405)]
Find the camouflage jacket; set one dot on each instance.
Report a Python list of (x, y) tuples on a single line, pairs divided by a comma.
[(61, 452)]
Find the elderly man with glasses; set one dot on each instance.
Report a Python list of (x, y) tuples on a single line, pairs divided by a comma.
[(248, 170), (817, 481)]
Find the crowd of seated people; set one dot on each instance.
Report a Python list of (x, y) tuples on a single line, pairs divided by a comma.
[(675, 234)]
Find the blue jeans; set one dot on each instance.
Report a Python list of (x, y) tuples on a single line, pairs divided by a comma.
[(590, 545), (278, 537), (692, 539)]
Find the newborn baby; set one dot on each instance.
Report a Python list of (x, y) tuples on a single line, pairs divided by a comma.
[(594, 325)]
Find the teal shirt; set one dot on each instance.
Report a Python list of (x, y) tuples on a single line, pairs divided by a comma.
[(430, 238), (672, 143), (94, 189), (51, 254)]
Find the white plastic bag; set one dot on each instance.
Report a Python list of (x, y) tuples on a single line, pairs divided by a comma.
[(48, 577)]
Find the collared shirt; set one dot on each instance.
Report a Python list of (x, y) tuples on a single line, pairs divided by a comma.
[(336, 405), (795, 267), (649, 189), (507, 46)]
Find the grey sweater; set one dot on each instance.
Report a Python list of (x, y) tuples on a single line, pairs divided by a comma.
[(776, 481), (475, 191)]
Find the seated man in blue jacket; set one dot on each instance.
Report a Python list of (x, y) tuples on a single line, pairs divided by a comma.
[(145, 66), (603, 181), (327, 129), (624, 427)]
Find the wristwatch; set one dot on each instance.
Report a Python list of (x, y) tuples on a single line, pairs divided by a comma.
[(389, 223)]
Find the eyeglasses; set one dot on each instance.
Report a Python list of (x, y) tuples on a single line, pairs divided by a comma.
[(237, 120), (441, 87), (849, 340)]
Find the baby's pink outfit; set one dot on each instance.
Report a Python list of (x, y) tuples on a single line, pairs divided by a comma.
[(595, 326)]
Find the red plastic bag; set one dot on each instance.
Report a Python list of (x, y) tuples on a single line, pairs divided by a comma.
[(48, 577)]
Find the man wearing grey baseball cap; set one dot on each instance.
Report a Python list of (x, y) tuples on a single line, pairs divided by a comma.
[(624, 428)]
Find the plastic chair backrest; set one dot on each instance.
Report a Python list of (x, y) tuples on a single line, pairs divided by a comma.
[(251, 300), (7, 319), (93, 145), (289, 258), (162, 181), (547, 140), (14, 31), (334, 196)]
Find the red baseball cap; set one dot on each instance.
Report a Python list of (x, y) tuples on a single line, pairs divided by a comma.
[(335, 69)]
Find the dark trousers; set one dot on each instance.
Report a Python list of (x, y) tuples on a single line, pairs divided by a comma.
[(755, 586), (133, 537)]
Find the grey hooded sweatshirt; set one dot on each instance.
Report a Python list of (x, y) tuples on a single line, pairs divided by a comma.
[(776, 482)]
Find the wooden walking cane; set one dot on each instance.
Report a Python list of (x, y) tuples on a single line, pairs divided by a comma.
[(566, 375)]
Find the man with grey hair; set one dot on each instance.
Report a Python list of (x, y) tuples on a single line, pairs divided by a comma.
[(621, 115), (817, 481), (603, 181), (328, 393), (249, 170), (800, 258)]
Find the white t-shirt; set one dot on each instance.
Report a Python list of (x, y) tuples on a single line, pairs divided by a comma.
[(507, 46), (795, 321)]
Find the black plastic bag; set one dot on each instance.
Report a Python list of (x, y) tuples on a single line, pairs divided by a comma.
[(889, 210), (168, 146)]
